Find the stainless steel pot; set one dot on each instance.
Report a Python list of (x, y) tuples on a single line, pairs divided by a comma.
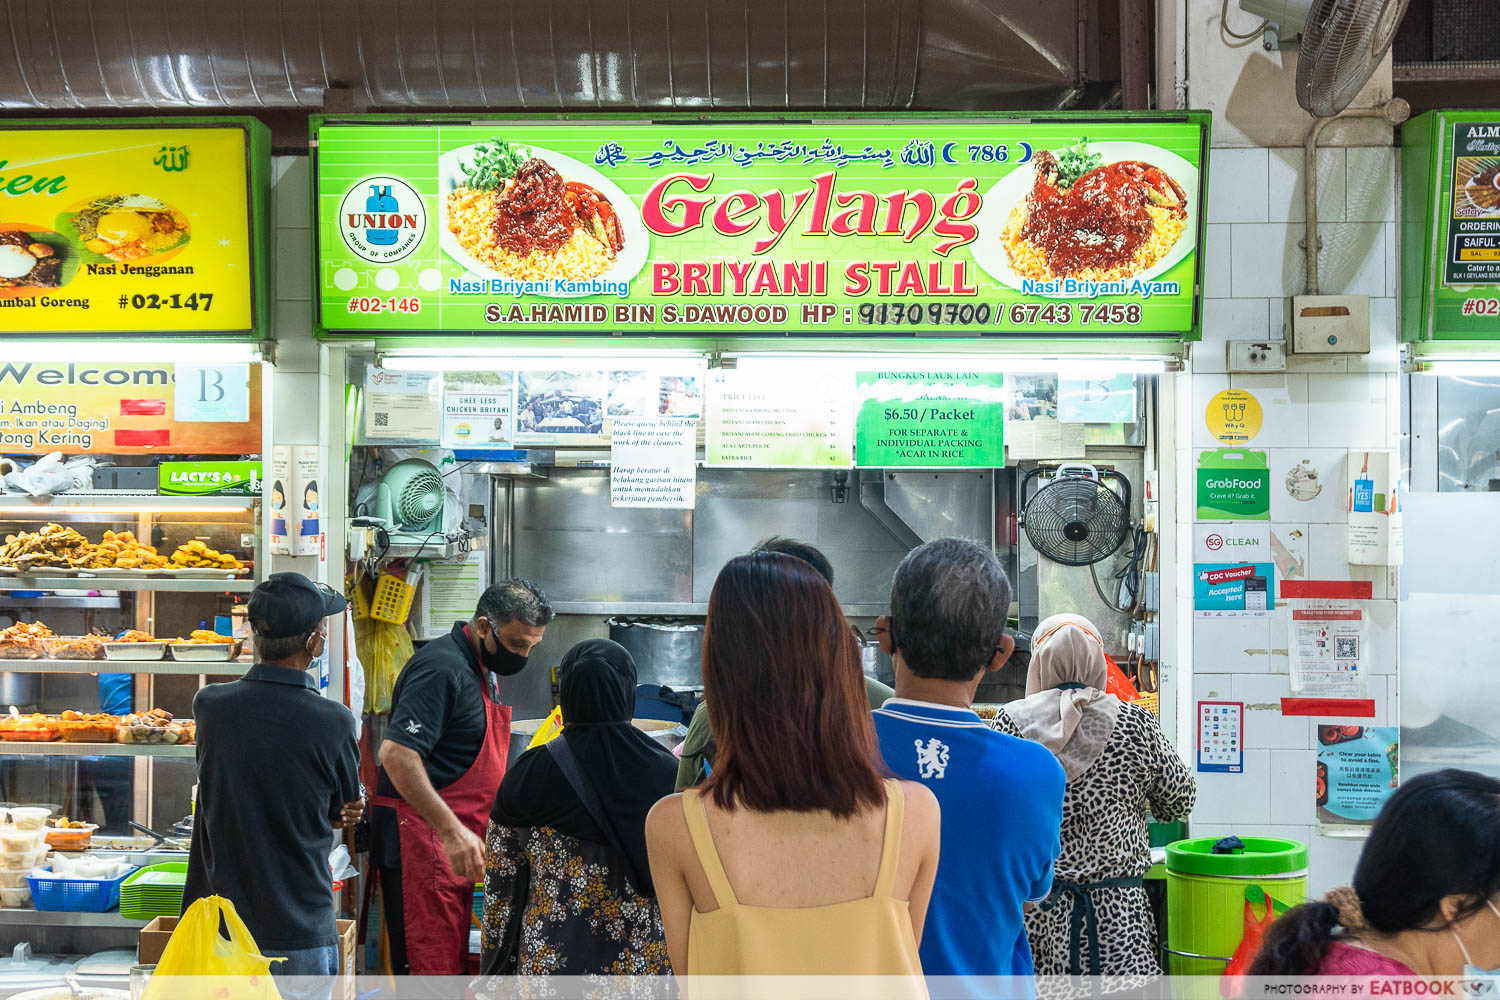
[(667, 651), (21, 690)]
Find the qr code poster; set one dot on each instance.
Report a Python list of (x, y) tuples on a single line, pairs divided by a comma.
[(401, 407), (1325, 646)]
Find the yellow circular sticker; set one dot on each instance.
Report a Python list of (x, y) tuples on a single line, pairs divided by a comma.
[(1234, 416)]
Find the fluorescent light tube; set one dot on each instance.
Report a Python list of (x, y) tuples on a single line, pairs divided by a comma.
[(130, 351)]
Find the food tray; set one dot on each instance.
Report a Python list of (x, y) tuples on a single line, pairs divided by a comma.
[(24, 649), (217, 652), (72, 839), (154, 892), (135, 651), (29, 735), (78, 895), (140, 735), (67, 648), (87, 732), (206, 573)]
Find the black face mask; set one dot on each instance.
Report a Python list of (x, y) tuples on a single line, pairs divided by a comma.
[(502, 662)]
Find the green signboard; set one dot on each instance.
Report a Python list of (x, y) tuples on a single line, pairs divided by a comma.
[(929, 420), (1062, 225), (1234, 485), (206, 478), (1450, 218)]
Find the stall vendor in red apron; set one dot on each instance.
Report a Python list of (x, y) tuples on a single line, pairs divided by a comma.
[(440, 765)]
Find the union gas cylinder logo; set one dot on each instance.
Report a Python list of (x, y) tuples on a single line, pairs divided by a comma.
[(382, 219)]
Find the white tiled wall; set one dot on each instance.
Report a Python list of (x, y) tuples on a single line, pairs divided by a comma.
[(294, 391), (1315, 411)]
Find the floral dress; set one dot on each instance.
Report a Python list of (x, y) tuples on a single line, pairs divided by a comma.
[(1104, 839), (556, 905)]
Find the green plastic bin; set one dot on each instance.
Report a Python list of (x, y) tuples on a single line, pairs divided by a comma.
[(1206, 896)]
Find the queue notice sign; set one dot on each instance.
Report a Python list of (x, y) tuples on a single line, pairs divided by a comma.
[(929, 420), (519, 225), (144, 227)]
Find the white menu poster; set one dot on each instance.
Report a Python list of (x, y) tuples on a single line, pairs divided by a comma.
[(785, 419), (652, 462)]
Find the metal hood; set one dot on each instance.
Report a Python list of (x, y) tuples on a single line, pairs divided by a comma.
[(542, 56)]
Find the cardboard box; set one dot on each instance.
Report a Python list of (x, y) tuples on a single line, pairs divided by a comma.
[(346, 987), (156, 934), (154, 938)]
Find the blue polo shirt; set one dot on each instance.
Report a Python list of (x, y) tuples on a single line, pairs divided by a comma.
[(1001, 799)]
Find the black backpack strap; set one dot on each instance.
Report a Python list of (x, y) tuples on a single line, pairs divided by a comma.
[(568, 764)]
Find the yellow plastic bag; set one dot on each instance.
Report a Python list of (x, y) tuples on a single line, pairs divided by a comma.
[(198, 962), (551, 729), (383, 648)]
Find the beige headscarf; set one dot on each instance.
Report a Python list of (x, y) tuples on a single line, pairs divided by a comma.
[(1073, 722)]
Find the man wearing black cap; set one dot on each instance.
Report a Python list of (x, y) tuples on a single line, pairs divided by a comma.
[(278, 771)]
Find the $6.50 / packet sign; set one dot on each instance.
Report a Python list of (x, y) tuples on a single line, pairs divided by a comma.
[(929, 420)]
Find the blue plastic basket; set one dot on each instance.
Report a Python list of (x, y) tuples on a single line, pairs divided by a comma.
[(76, 895)]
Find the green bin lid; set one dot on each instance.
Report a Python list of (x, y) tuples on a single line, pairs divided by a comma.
[(1261, 856)]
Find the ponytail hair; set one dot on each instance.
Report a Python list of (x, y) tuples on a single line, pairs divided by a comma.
[(1297, 943), (1447, 819)]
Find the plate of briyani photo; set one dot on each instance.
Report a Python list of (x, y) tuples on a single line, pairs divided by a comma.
[(1102, 211), (531, 214), (127, 227), (33, 261)]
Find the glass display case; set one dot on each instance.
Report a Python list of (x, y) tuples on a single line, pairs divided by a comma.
[(78, 573)]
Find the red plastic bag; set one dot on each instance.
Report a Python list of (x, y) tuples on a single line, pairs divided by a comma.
[(1249, 947), (1118, 684)]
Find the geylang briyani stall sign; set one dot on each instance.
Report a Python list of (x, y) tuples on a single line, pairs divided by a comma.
[(124, 409), (121, 227), (1077, 225)]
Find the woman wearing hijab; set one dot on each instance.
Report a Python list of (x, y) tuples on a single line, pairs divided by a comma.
[(567, 887), (1120, 767)]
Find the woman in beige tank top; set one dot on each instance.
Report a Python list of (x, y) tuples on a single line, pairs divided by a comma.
[(796, 857)]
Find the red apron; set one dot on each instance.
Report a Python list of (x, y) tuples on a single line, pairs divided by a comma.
[(437, 904)]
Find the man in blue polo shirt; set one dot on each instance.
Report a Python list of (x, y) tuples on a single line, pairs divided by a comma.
[(1001, 797)]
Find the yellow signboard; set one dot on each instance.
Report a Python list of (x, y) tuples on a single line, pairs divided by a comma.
[(128, 228), (79, 408)]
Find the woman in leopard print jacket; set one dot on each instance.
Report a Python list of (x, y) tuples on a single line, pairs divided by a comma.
[(1120, 768)]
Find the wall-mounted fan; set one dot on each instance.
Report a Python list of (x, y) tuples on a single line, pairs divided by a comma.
[(1076, 516), (1343, 43), (410, 498)]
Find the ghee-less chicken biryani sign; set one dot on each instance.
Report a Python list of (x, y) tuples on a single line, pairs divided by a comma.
[(1076, 226), (128, 228)]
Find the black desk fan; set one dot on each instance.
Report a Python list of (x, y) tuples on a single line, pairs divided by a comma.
[(1075, 517)]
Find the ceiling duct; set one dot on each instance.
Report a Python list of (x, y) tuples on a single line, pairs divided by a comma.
[(541, 56)]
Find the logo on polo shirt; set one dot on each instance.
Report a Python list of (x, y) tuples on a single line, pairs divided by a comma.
[(414, 728), (932, 760)]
